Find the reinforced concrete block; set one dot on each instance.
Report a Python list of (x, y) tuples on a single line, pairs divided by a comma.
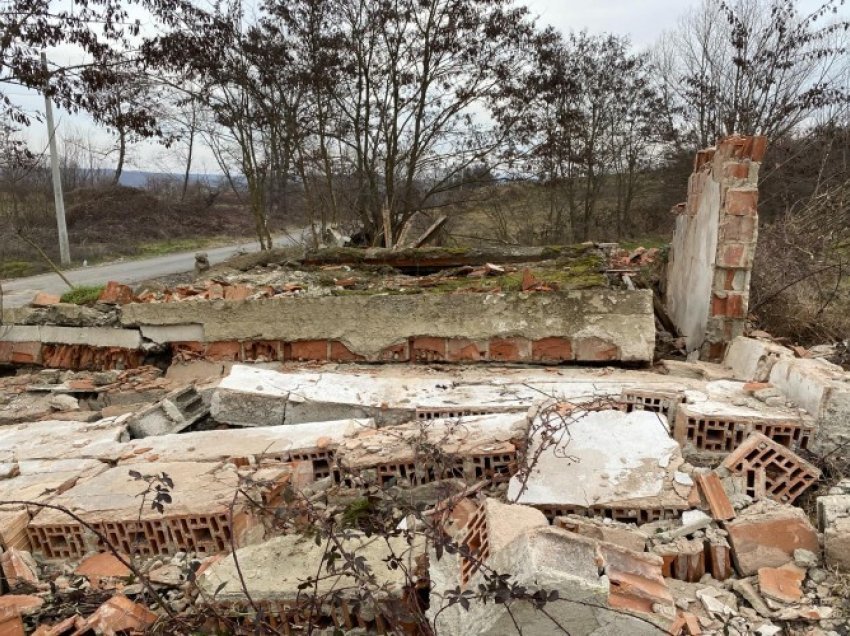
[(823, 390), (752, 360), (587, 460), (197, 519), (368, 326)]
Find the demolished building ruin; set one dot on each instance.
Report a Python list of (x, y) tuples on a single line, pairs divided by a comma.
[(249, 454)]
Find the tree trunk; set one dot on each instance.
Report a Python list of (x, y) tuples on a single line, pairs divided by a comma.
[(122, 151), (189, 158)]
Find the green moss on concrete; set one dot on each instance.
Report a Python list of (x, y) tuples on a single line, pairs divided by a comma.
[(83, 295)]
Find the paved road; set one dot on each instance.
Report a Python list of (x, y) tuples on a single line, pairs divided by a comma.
[(19, 291)]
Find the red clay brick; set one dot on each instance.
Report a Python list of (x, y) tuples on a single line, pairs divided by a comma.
[(20, 603), (237, 292), (510, 349), (758, 147), (271, 350), (552, 350), (782, 584), (718, 502), (43, 299), (464, 350), (223, 351), (340, 353), (11, 623), (215, 292), (428, 349), (20, 352), (120, 614), (116, 294), (595, 350), (743, 201), (19, 569), (787, 474), (737, 228), (395, 353), (768, 539), (732, 255), (308, 350), (736, 169), (729, 304)]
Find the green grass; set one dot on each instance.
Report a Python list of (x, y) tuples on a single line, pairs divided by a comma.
[(160, 248), (647, 242), (83, 295), (15, 269), (356, 511)]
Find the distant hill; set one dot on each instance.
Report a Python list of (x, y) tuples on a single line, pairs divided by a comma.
[(139, 178)]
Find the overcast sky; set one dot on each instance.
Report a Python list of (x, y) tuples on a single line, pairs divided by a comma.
[(641, 20)]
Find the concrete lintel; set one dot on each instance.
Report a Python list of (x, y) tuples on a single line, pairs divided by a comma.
[(90, 336), (173, 333)]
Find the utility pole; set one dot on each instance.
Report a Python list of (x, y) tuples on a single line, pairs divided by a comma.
[(58, 199)]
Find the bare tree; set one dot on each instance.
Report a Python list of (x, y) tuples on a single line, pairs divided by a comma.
[(754, 67)]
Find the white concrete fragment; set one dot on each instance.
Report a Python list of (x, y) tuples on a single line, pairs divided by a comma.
[(625, 447), (823, 390), (91, 336), (751, 360), (173, 333), (252, 396)]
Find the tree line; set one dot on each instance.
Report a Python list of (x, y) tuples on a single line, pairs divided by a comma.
[(370, 112)]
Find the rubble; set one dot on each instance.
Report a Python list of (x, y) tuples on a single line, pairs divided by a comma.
[(233, 455), (175, 412), (767, 534), (621, 463)]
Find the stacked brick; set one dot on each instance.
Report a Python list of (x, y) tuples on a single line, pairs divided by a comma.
[(732, 165), (421, 349), (724, 177)]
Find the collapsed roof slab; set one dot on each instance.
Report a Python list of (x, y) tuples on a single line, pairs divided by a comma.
[(313, 441), (204, 514), (594, 325), (472, 448), (273, 573), (37, 482), (60, 439), (553, 560), (252, 396), (623, 465)]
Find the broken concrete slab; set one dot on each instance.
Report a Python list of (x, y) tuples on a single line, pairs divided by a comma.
[(492, 527), (751, 359), (59, 439), (551, 559), (622, 320), (833, 518), (823, 390), (274, 570), (766, 535), (315, 442), (196, 519), (175, 412), (173, 333), (607, 458), (624, 535), (252, 396), (472, 448), (90, 336)]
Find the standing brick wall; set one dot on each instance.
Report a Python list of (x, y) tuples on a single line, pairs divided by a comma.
[(708, 274)]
